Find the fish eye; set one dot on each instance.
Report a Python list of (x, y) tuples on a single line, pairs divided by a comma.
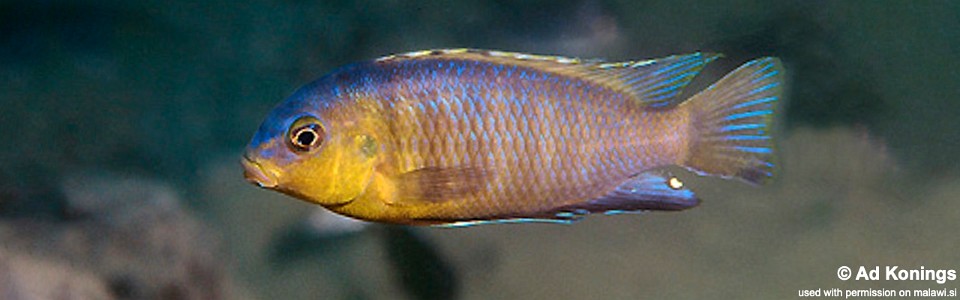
[(306, 134)]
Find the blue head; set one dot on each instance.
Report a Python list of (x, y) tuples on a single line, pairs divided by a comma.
[(311, 146)]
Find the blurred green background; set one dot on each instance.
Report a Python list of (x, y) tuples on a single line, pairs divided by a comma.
[(123, 121)]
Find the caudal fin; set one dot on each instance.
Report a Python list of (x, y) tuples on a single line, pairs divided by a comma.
[(733, 122)]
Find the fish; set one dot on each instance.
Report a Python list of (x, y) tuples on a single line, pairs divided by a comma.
[(461, 137)]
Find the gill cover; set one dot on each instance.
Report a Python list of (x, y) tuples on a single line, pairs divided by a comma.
[(335, 173)]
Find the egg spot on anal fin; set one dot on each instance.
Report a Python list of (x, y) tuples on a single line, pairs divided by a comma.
[(675, 183)]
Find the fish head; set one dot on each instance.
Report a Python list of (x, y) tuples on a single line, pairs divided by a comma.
[(317, 153)]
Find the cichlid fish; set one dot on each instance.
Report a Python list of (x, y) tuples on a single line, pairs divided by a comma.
[(462, 137)]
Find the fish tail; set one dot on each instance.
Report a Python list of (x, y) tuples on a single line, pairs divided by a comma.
[(732, 123)]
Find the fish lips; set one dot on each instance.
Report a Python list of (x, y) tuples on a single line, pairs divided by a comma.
[(255, 173)]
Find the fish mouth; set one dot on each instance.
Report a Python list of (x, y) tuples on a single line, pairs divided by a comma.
[(255, 173)]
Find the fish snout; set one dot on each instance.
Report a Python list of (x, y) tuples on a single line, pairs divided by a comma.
[(257, 174)]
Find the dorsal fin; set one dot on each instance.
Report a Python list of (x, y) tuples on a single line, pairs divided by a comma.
[(653, 82)]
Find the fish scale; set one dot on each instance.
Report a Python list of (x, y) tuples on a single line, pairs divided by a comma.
[(500, 124)]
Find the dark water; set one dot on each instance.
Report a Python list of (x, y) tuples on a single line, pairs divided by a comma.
[(122, 123)]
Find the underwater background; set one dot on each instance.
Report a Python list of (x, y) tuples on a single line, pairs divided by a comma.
[(122, 125)]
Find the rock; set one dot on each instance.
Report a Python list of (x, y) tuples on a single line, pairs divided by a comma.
[(133, 235), (24, 277)]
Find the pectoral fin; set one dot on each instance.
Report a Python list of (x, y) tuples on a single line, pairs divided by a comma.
[(435, 185)]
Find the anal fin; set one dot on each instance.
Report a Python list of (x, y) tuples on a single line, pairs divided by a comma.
[(651, 190)]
